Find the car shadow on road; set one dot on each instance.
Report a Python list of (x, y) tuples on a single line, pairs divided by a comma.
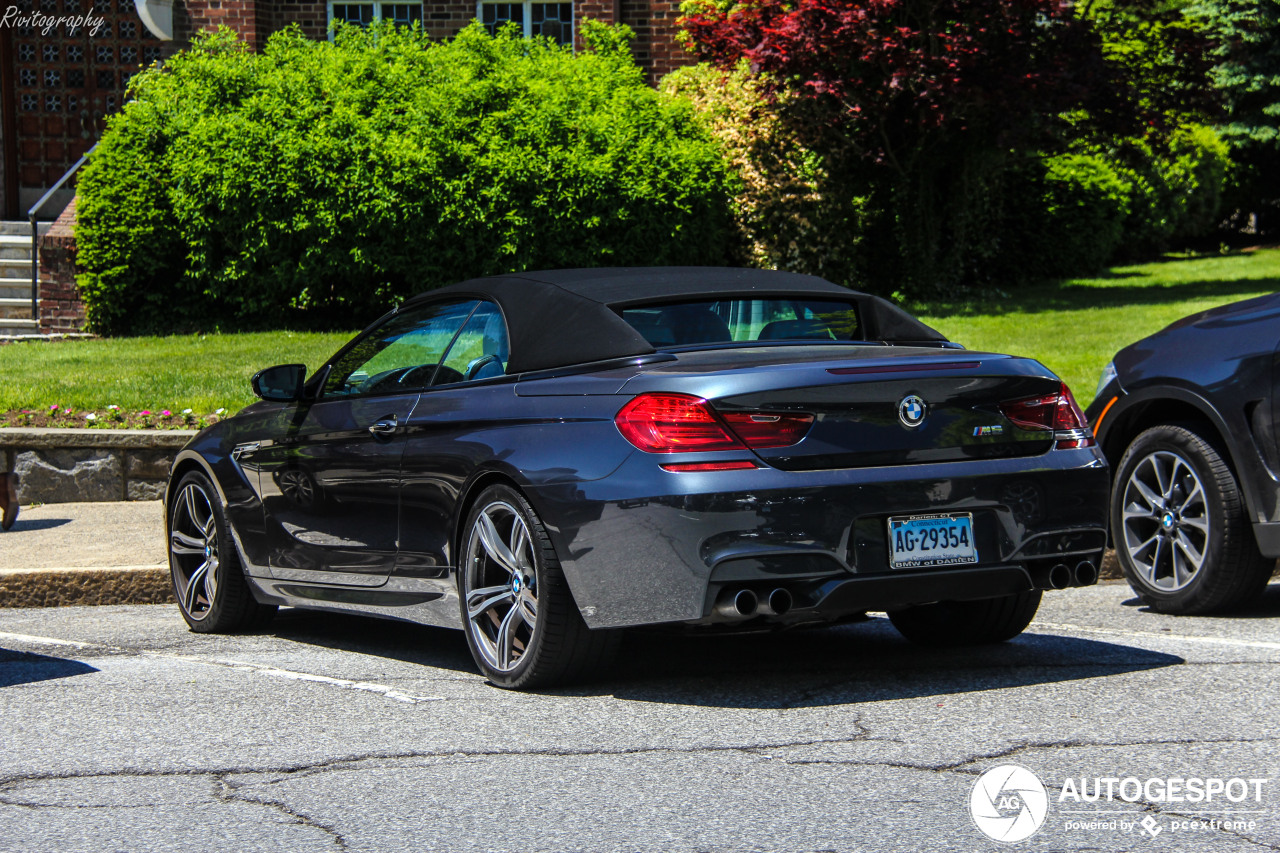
[(27, 668), (854, 664), (23, 524), (850, 664), (1265, 606)]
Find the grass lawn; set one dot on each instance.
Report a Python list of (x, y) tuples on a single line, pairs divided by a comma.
[(1073, 327), (198, 372)]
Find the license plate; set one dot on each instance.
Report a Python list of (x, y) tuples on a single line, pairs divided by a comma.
[(945, 539)]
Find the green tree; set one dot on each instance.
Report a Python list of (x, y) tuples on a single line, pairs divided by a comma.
[(1248, 76)]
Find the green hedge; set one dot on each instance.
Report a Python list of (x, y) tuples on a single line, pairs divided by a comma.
[(1072, 214), (317, 182)]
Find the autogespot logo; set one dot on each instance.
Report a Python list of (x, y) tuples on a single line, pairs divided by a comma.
[(1008, 803)]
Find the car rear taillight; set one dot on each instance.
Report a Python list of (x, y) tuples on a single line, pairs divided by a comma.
[(761, 429), (1052, 412), (675, 423), (672, 423)]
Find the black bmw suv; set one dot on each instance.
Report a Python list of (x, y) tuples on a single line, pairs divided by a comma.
[(1187, 419)]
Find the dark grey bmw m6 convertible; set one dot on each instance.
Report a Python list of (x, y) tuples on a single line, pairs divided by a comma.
[(539, 458)]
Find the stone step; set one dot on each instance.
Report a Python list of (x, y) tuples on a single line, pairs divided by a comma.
[(15, 309), (21, 227), (18, 328), (16, 269), (15, 288), (15, 248)]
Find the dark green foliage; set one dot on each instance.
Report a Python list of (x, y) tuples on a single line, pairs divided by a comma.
[(1072, 214), (1248, 76), (316, 183), (1064, 215)]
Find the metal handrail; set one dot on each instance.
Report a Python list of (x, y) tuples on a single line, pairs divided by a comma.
[(35, 232)]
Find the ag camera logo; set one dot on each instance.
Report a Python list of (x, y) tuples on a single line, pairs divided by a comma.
[(1008, 803)]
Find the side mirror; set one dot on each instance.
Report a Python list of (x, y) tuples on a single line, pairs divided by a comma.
[(280, 384)]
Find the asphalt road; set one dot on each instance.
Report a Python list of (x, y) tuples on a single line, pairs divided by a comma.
[(120, 730)]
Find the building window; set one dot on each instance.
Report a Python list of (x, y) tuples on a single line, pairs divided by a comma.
[(362, 14), (553, 20)]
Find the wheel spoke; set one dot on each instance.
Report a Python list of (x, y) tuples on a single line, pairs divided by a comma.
[(1155, 559), (519, 539), (1154, 501), (195, 583), (1161, 484), (1135, 551), (481, 600), (1201, 524), (507, 637), (189, 501), (529, 608), (182, 543), (1131, 512), (1190, 551), (493, 544)]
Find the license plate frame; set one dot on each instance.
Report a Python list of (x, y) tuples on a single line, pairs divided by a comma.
[(907, 531)]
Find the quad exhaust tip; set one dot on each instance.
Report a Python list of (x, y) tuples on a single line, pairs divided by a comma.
[(739, 605), (1086, 573), (1060, 576), (777, 603), (744, 603)]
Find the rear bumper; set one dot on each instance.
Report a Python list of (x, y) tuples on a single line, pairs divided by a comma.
[(645, 546)]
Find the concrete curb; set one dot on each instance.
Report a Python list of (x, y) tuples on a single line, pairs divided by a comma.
[(85, 586)]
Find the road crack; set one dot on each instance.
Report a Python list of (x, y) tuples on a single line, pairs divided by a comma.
[(230, 792)]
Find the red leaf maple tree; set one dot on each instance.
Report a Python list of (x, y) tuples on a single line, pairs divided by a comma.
[(887, 75)]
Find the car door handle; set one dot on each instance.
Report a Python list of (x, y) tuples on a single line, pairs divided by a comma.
[(386, 426)]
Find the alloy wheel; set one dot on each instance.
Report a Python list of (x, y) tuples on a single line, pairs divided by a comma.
[(1165, 521), (500, 584), (193, 548)]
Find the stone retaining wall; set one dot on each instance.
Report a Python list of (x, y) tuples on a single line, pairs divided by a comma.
[(71, 465)]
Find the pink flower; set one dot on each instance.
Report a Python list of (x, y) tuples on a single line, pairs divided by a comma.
[(54, 407), (166, 413), (144, 412)]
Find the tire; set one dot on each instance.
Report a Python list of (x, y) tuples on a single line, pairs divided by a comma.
[(968, 623), (208, 580), (522, 624), (1179, 523)]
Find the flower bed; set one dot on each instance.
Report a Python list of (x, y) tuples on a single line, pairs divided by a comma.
[(112, 417)]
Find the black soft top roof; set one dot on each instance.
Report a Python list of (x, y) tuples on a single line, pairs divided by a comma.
[(563, 317)]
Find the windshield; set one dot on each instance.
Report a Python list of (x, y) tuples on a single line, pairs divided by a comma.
[(736, 320)]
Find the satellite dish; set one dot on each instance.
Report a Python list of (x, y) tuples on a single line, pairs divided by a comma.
[(157, 16)]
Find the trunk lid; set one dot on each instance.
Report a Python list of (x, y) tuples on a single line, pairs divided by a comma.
[(872, 405)]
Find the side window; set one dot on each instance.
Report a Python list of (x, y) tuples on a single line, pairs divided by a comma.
[(400, 355), (480, 350)]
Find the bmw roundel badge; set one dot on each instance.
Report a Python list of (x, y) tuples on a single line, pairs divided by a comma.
[(911, 411)]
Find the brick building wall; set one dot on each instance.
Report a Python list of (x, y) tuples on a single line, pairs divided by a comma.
[(654, 22), (61, 310)]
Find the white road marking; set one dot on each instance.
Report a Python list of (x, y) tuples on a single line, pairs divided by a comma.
[(49, 641), (1151, 635), (270, 671)]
